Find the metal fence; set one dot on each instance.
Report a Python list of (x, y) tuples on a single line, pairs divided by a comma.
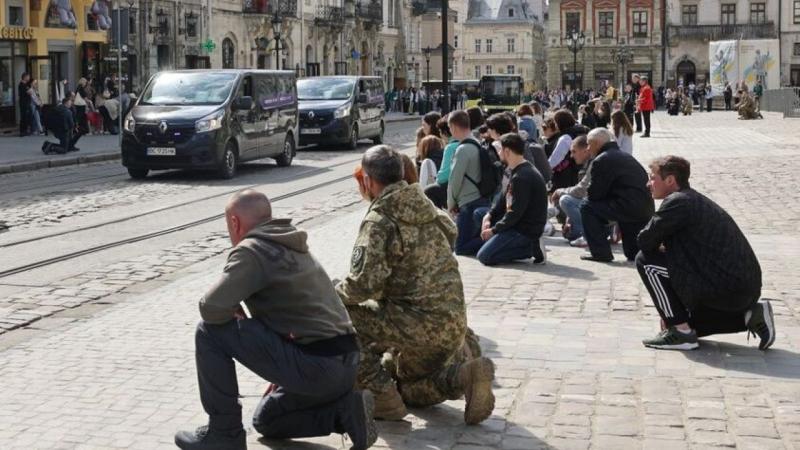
[(783, 100)]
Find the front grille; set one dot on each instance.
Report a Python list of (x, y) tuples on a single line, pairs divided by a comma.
[(175, 134), (319, 120)]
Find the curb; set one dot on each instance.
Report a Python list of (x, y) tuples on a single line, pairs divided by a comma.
[(58, 162)]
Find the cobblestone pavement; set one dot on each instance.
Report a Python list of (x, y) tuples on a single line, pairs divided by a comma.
[(572, 373)]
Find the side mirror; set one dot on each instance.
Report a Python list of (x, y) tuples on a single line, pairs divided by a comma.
[(243, 103), (362, 98)]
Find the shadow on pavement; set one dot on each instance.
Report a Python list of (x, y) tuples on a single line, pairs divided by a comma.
[(280, 444), (747, 359)]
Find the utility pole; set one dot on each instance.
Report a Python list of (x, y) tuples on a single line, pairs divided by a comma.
[(119, 72), (445, 60)]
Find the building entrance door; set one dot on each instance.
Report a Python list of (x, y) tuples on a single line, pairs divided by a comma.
[(686, 73)]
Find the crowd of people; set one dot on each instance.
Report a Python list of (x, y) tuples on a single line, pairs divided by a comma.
[(420, 101), (90, 108)]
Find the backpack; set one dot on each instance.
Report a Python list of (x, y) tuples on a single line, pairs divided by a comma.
[(491, 170)]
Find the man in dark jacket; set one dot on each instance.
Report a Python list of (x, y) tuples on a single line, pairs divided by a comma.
[(300, 338), (24, 100), (697, 266), (617, 193), (62, 124), (512, 229)]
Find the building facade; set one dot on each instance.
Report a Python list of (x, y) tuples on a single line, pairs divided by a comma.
[(790, 43), (504, 37), (423, 42), (607, 25), (692, 24)]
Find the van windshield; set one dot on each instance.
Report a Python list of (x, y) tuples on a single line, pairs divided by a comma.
[(200, 88), (325, 88)]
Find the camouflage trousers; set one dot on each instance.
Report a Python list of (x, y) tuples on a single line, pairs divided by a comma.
[(425, 356), (748, 113)]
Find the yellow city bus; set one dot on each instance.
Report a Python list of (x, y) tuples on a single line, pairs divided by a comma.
[(471, 87), (500, 92)]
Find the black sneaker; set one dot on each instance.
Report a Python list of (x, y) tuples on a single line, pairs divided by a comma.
[(597, 258), (762, 323), (672, 339), (205, 438), (357, 420), (539, 253)]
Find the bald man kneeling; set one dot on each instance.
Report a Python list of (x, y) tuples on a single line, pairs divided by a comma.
[(300, 338)]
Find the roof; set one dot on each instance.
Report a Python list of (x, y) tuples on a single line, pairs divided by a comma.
[(499, 10)]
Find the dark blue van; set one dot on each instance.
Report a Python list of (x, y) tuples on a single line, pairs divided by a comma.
[(211, 119), (341, 110)]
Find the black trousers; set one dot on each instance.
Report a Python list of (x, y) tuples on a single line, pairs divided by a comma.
[(708, 104), (67, 140), (83, 122), (638, 118), (437, 193), (646, 119), (25, 119), (705, 321), (596, 217), (313, 390)]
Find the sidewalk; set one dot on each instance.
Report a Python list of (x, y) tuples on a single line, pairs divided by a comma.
[(25, 154)]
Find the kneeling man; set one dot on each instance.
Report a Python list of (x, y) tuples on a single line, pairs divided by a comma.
[(405, 297), (697, 265), (299, 337)]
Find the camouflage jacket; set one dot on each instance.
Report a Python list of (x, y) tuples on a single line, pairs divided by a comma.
[(403, 258)]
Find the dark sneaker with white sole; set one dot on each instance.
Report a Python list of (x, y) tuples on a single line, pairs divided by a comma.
[(672, 339), (761, 322), (205, 438)]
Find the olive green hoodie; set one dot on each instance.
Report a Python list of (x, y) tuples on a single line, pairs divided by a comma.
[(281, 283)]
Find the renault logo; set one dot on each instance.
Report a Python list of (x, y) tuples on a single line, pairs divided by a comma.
[(162, 127), (311, 114)]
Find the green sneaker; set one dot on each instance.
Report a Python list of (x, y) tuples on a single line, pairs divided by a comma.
[(761, 322), (672, 339)]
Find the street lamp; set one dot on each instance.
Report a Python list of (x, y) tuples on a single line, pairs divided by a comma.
[(277, 24), (575, 42), (622, 55), (427, 52)]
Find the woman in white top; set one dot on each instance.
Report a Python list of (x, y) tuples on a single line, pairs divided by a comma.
[(623, 131), (427, 168)]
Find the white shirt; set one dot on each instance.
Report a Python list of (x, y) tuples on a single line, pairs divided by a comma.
[(427, 173), (625, 142), (561, 150)]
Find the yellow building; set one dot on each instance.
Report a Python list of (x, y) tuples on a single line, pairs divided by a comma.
[(51, 40)]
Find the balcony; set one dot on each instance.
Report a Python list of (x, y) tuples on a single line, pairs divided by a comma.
[(329, 16), (720, 32), (286, 8), (370, 13)]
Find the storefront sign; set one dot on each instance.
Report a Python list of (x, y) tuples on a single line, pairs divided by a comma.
[(16, 33)]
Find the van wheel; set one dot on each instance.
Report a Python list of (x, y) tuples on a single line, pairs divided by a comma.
[(353, 138), (227, 169), (379, 138), (286, 157), (138, 174)]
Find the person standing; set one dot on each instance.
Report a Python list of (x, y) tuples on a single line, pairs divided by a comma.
[(709, 95), (728, 96), (646, 104), (697, 265), (24, 100), (82, 100), (635, 88), (36, 108), (758, 91)]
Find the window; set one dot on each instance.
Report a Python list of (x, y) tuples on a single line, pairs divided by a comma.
[(689, 15), (191, 25), (91, 22), (796, 9), (477, 71), (639, 24), (758, 12), (163, 57), (511, 45), (455, 41), (477, 45), (16, 16), (228, 54), (488, 70), (510, 12), (132, 21), (163, 25), (572, 21), (489, 46), (510, 69), (606, 24), (796, 49), (728, 13)]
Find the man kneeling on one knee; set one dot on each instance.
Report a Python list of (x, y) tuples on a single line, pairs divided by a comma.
[(300, 337), (697, 266)]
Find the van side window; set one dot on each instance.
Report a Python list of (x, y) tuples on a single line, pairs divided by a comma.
[(267, 87)]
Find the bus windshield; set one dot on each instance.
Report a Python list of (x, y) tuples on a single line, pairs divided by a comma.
[(201, 88), (500, 87)]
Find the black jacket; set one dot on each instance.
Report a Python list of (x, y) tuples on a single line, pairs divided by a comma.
[(710, 262), (621, 182), (523, 207), (61, 119)]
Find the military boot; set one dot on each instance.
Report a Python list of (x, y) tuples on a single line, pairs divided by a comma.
[(476, 378), (389, 405)]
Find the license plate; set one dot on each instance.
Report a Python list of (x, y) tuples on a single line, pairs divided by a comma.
[(310, 131), (160, 151)]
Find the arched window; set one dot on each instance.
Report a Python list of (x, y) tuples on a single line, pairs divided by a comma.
[(228, 54), (310, 54)]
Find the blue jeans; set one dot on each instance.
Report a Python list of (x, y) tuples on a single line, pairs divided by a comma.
[(505, 247), (572, 208), (468, 228)]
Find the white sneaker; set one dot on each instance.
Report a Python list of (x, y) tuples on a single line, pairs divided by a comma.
[(580, 242)]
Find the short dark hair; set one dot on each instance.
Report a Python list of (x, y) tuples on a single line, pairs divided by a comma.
[(458, 118), (66, 100), (500, 123), (513, 142), (483, 129), (476, 118), (383, 164), (581, 141), (564, 120), (675, 166)]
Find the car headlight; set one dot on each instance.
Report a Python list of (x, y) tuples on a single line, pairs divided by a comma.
[(210, 123), (342, 111), (129, 124)]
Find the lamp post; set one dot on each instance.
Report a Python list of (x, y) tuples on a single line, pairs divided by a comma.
[(575, 42), (277, 23), (622, 56), (427, 52)]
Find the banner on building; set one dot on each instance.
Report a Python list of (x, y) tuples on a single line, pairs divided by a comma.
[(748, 60)]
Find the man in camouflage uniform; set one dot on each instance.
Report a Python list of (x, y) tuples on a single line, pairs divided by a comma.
[(405, 297), (747, 107)]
